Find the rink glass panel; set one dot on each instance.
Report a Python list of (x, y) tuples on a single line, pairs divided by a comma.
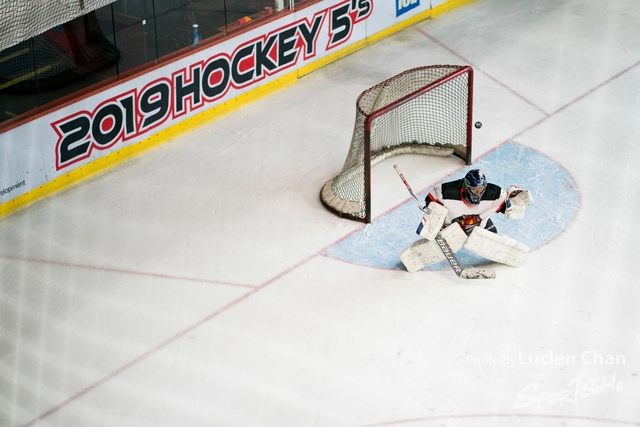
[(113, 42)]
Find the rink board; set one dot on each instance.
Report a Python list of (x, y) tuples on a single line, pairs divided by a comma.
[(97, 132)]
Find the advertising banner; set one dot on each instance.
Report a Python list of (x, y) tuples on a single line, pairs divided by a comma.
[(53, 145)]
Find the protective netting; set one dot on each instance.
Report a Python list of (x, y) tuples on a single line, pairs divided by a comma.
[(424, 110), (53, 58), (23, 19)]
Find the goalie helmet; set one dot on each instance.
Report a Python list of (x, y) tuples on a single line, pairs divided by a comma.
[(474, 184)]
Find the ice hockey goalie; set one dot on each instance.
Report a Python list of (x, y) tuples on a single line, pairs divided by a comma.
[(461, 212)]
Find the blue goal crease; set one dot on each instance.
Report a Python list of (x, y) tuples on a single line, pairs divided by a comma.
[(556, 200)]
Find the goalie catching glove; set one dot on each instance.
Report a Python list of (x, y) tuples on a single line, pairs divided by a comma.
[(517, 201)]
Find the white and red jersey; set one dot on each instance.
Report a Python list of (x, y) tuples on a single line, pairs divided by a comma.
[(451, 196)]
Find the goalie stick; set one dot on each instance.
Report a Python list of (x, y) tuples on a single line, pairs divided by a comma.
[(463, 273)]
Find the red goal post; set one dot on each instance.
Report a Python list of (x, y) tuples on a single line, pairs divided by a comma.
[(424, 110)]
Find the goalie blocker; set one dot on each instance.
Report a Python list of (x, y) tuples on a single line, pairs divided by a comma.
[(432, 221)]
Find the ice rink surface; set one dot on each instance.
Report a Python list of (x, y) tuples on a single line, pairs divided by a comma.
[(203, 283)]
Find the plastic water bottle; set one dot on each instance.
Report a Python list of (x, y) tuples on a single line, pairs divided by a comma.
[(196, 36)]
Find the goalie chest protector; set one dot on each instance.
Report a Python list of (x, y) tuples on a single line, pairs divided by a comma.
[(451, 196)]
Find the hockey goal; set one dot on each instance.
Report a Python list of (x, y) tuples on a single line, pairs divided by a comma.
[(424, 110)]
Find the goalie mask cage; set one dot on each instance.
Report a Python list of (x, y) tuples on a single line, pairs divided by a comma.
[(424, 110)]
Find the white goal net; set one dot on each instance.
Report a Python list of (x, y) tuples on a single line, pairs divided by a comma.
[(425, 110)]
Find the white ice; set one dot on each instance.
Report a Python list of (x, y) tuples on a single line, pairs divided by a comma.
[(190, 287)]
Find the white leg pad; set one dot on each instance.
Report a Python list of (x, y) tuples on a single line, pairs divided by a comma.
[(425, 252), (495, 247)]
